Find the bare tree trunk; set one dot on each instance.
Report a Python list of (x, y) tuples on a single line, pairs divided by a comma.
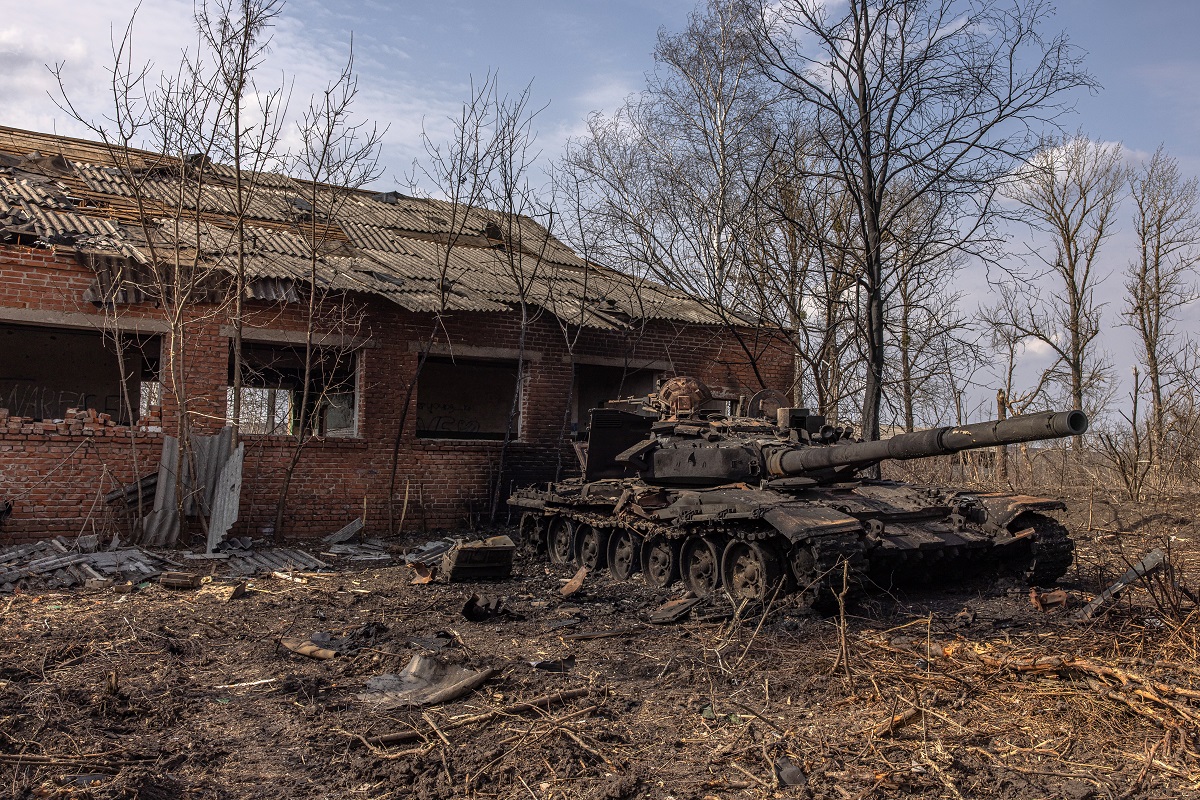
[(1002, 450)]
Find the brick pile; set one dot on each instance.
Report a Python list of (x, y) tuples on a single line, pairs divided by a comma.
[(77, 422)]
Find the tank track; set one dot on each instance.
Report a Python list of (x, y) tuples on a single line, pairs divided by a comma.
[(811, 568), (837, 562), (814, 568)]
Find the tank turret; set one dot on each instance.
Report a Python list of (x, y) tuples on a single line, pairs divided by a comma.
[(771, 499), (690, 447)]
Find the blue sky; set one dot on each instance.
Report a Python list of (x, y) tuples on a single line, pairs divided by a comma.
[(1145, 57), (415, 61), (416, 58)]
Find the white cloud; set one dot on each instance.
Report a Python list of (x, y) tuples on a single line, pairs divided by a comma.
[(1037, 349), (304, 54)]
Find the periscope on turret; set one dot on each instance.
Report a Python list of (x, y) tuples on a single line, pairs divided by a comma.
[(772, 500)]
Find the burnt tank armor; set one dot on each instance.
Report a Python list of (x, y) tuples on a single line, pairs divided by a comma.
[(773, 502)]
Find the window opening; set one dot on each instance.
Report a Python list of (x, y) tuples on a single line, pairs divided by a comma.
[(273, 389), (595, 385), (45, 371), (466, 399)]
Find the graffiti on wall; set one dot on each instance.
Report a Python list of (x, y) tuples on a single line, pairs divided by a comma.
[(457, 418), (41, 402)]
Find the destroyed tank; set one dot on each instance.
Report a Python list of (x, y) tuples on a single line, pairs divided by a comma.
[(775, 500)]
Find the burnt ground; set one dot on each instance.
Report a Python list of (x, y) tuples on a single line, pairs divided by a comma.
[(106, 695)]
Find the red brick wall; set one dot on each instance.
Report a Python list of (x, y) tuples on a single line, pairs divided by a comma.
[(54, 477)]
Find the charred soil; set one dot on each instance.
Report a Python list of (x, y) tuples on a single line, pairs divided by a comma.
[(965, 691)]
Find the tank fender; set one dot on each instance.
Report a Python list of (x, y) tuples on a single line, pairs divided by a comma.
[(1004, 508), (800, 522)]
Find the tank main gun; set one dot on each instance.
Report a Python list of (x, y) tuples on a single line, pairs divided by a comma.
[(929, 443)]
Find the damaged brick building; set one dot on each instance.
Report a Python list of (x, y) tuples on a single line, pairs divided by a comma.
[(120, 276)]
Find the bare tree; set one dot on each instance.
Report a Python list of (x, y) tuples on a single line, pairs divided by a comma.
[(337, 156), (670, 176), (237, 36), (453, 168), (173, 114), (915, 100), (1160, 281), (1072, 189), (482, 172), (928, 339), (522, 249), (801, 285)]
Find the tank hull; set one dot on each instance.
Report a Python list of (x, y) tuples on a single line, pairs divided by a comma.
[(756, 543)]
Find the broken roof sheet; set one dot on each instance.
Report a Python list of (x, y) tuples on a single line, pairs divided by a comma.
[(424, 255)]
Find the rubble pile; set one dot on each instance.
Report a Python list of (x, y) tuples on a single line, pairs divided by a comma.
[(76, 422)]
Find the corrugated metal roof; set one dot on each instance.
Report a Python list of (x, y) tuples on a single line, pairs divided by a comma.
[(394, 246)]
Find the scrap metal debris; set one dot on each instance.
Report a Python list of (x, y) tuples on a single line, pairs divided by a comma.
[(584, 636), (491, 558), (307, 647), (65, 563), (478, 609), (425, 680), (273, 559), (564, 664), (180, 580), (424, 574), (61, 563), (224, 591), (460, 560), (1150, 563), (570, 622), (324, 645), (789, 773), (438, 641), (430, 553), (345, 534), (675, 610), (209, 473), (1048, 601), (575, 584)]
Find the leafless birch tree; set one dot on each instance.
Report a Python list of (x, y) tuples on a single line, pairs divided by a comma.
[(1160, 280), (1072, 189)]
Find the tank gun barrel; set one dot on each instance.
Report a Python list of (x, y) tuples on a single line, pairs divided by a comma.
[(933, 442)]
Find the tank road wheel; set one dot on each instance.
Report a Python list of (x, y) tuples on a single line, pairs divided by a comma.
[(751, 571), (591, 547), (560, 540), (660, 561), (532, 530), (624, 554), (700, 565)]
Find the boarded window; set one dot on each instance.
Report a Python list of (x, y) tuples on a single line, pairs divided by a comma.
[(45, 371), (273, 391), (462, 399)]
